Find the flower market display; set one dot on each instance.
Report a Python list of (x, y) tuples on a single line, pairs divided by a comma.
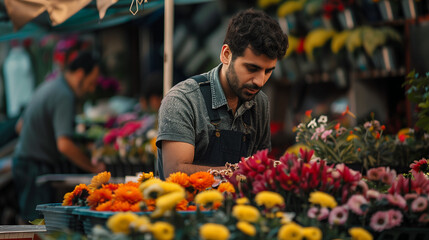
[(294, 197)]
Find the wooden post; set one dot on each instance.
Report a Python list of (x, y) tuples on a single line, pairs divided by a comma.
[(168, 44)]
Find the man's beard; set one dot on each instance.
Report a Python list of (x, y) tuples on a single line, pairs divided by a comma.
[(233, 82)]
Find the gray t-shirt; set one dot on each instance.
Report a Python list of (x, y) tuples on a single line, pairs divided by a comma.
[(48, 116), (183, 116)]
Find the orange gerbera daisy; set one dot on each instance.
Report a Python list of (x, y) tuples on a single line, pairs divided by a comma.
[(226, 187), (98, 180), (98, 197), (77, 197), (182, 205), (119, 206), (129, 194), (201, 180), (180, 178), (111, 186), (149, 204), (105, 206)]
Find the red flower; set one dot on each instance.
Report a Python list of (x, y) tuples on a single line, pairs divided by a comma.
[(421, 165), (110, 136), (308, 113)]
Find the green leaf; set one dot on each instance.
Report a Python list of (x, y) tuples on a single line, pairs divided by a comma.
[(39, 221)]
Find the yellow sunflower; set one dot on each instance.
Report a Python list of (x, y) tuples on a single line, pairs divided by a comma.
[(312, 233), (322, 199), (120, 222), (246, 228), (98, 180), (246, 213), (358, 233), (77, 197), (213, 231), (162, 231), (167, 202), (208, 198), (291, 231), (269, 199)]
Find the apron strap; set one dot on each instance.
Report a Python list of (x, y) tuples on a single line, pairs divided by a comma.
[(207, 95)]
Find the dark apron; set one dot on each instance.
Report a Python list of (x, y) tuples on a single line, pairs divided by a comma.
[(224, 145)]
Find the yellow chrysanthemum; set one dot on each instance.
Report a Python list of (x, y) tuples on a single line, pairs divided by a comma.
[(267, 3), (153, 191), (354, 40), (170, 187), (351, 137), (162, 231), (180, 178), (149, 182), (312, 233), (120, 222), (208, 197), (144, 177), (293, 44), (242, 201), (126, 193), (296, 148), (98, 180), (315, 39), (226, 187), (213, 231), (269, 199), (358, 233), (322, 199), (339, 40), (167, 202), (291, 231), (246, 228), (290, 7), (246, 213), (141, 224)]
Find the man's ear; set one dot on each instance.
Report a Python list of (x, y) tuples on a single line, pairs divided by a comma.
[(226, 55)]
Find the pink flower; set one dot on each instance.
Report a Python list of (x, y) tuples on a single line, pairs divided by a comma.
[(419, 204), (411, 196), (421, 165), (397, 200), (373, 194), (424, 218), (361, 187), (325, 134), (400, 186), (338, 216), (375, 174), (388, 177), (319, 213), (379, 221), (356, 202), (110, 136), (395, 218)]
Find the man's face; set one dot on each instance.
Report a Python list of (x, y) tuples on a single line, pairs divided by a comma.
[(246, 75), (88, 83)]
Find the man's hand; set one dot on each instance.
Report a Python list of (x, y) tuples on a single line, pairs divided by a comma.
[(67, 147), (178, 157)]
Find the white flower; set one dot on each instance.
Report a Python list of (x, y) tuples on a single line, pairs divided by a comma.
[(323, 119), (312, 124), (151, 134)]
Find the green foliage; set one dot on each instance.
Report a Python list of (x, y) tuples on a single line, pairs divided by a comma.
[(418, 92)]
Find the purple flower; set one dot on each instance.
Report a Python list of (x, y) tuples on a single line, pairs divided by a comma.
[(338, 215), (379, 221)]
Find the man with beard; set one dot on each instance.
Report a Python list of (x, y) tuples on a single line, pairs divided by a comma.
[(221, 116), (46, 130)]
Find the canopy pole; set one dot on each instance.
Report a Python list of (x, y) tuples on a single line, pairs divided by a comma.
[(168, 44)]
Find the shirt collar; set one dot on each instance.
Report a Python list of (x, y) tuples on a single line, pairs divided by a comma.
[(218, 96)]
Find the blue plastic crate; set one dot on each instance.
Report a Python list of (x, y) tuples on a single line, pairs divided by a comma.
[(60, 218)]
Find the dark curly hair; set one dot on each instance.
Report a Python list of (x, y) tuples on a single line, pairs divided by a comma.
[(257, 30)]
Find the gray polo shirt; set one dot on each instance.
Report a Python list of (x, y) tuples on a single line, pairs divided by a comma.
[(183, 116), (49, 115)]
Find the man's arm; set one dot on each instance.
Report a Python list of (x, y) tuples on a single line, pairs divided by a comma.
[(178, 157), (67, 147), (18, 126)]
